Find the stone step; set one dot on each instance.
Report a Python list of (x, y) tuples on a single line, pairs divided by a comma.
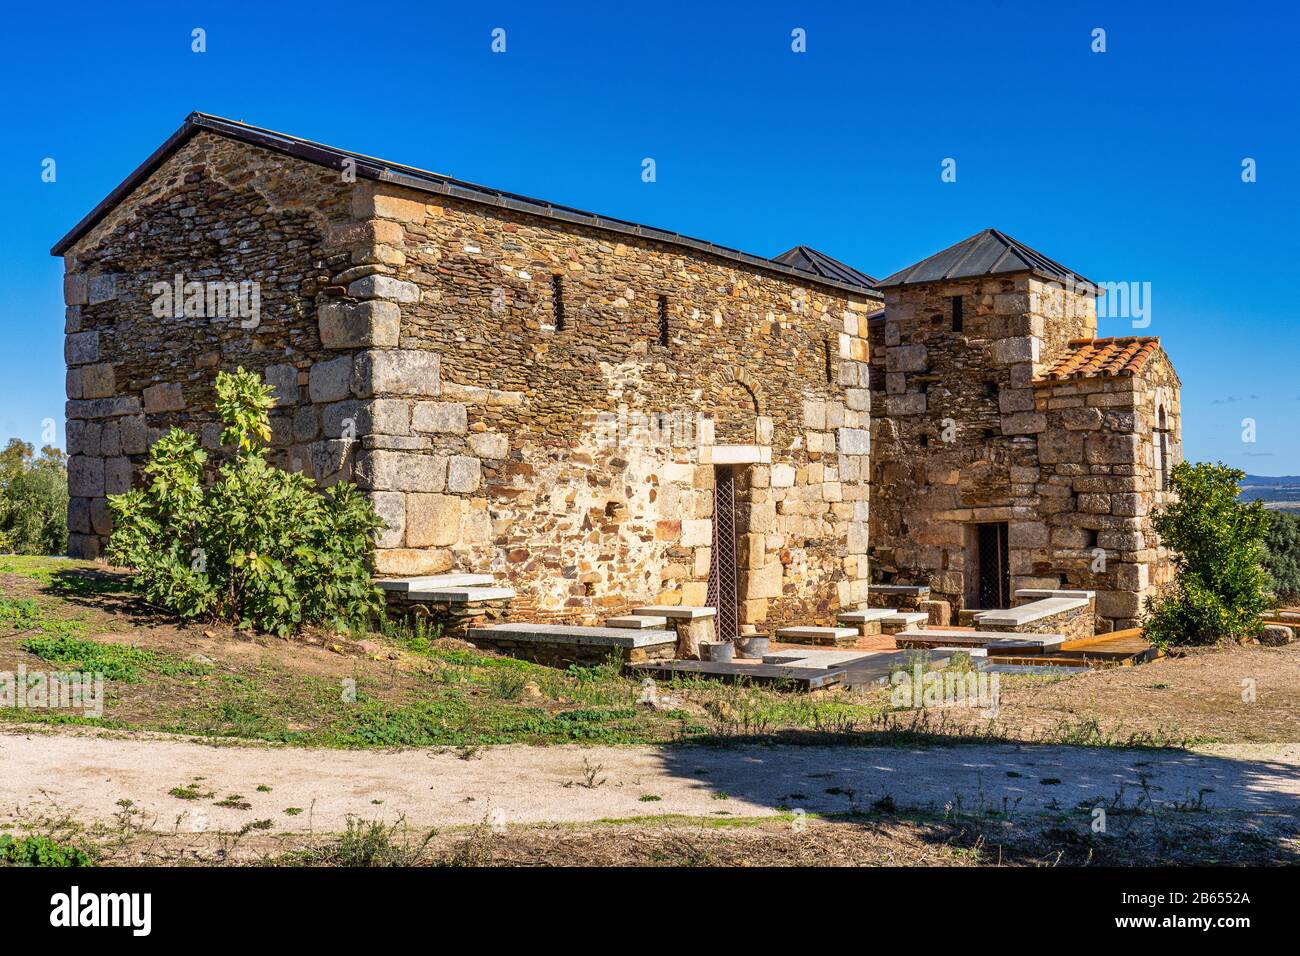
[(637, 621), (454, 595), (816, 635), (866, 615), (434, 582), (676, 612), (573, 634)]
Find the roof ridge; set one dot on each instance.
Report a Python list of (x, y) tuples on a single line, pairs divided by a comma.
[(1002, 254), (411, 177)]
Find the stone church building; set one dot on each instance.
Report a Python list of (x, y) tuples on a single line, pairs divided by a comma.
[(604, 415)]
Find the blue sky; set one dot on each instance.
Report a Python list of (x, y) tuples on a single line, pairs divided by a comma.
[(1124, 165)]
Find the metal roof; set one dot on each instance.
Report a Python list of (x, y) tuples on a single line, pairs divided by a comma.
[(987, 253), (379, 170), (807, 259)]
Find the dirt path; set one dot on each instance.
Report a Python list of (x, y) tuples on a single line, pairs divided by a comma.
[(86, 775)]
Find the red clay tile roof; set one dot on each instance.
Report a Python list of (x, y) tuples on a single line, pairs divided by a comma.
[(1090, 358)]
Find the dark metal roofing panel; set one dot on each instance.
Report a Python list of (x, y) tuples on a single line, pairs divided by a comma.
[(807, 259), (986, 253), (368, 167)]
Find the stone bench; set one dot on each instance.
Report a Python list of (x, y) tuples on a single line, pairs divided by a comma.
[(818, 635), (453, 602), (866, 620), (905, 597), (564, 644), (694, 625), (677, 612), (1072, 616), (637, 621), (903, 620), (433, 582)]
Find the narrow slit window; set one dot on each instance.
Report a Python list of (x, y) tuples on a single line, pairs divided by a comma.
[(663, 321), (557, 301), (828, 362), (957, 318)]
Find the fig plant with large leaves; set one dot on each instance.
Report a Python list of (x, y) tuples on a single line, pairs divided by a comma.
[(258, 547)]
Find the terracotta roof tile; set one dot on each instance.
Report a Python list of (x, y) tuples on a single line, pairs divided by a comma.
[(1090, 358)]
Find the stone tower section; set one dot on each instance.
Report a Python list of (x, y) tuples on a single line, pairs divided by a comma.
[(980, 474)]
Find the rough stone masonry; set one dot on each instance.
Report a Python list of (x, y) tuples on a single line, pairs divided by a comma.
[(551, 397)]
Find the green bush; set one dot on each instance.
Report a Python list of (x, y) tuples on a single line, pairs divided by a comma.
[(1220, 588), (1281, 557), (33, 500), (259, 547), (40, 851)]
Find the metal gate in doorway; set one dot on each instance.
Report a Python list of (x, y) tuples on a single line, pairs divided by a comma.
[(722, 567)]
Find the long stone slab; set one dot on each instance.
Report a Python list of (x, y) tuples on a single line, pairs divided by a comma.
[(460, 595), (816, 633), (637, 621), (909, 590), (1033, 611), (573, 634), (1036, 594), (677, 612), (866, 615), (803, 678), (434, 582), (905, 617)]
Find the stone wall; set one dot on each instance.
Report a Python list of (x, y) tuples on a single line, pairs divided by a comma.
[(415, 347), (954, 444), (1098, 487), (565, 446), (216, 212), (969, 433)]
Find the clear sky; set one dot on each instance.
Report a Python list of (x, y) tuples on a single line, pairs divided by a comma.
[(1124, 165)]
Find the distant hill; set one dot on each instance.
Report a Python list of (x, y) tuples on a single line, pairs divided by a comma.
[(1282, 491)]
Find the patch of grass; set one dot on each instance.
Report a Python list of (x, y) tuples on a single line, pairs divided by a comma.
[(649, 798), (368, 843), (120, 662), (40, 851), (190, 791), (234, 801), (292, 811)]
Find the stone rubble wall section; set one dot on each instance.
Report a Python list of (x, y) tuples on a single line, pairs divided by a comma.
[(221, 211), (412, 349), (510, 465), (964, 435)]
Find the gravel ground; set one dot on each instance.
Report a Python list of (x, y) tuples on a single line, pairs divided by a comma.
[(86, 774)]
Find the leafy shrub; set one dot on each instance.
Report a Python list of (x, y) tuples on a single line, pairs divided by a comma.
[(1220, 589), (33, 500), (40, 851), (1281, 557), (259, 547)]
